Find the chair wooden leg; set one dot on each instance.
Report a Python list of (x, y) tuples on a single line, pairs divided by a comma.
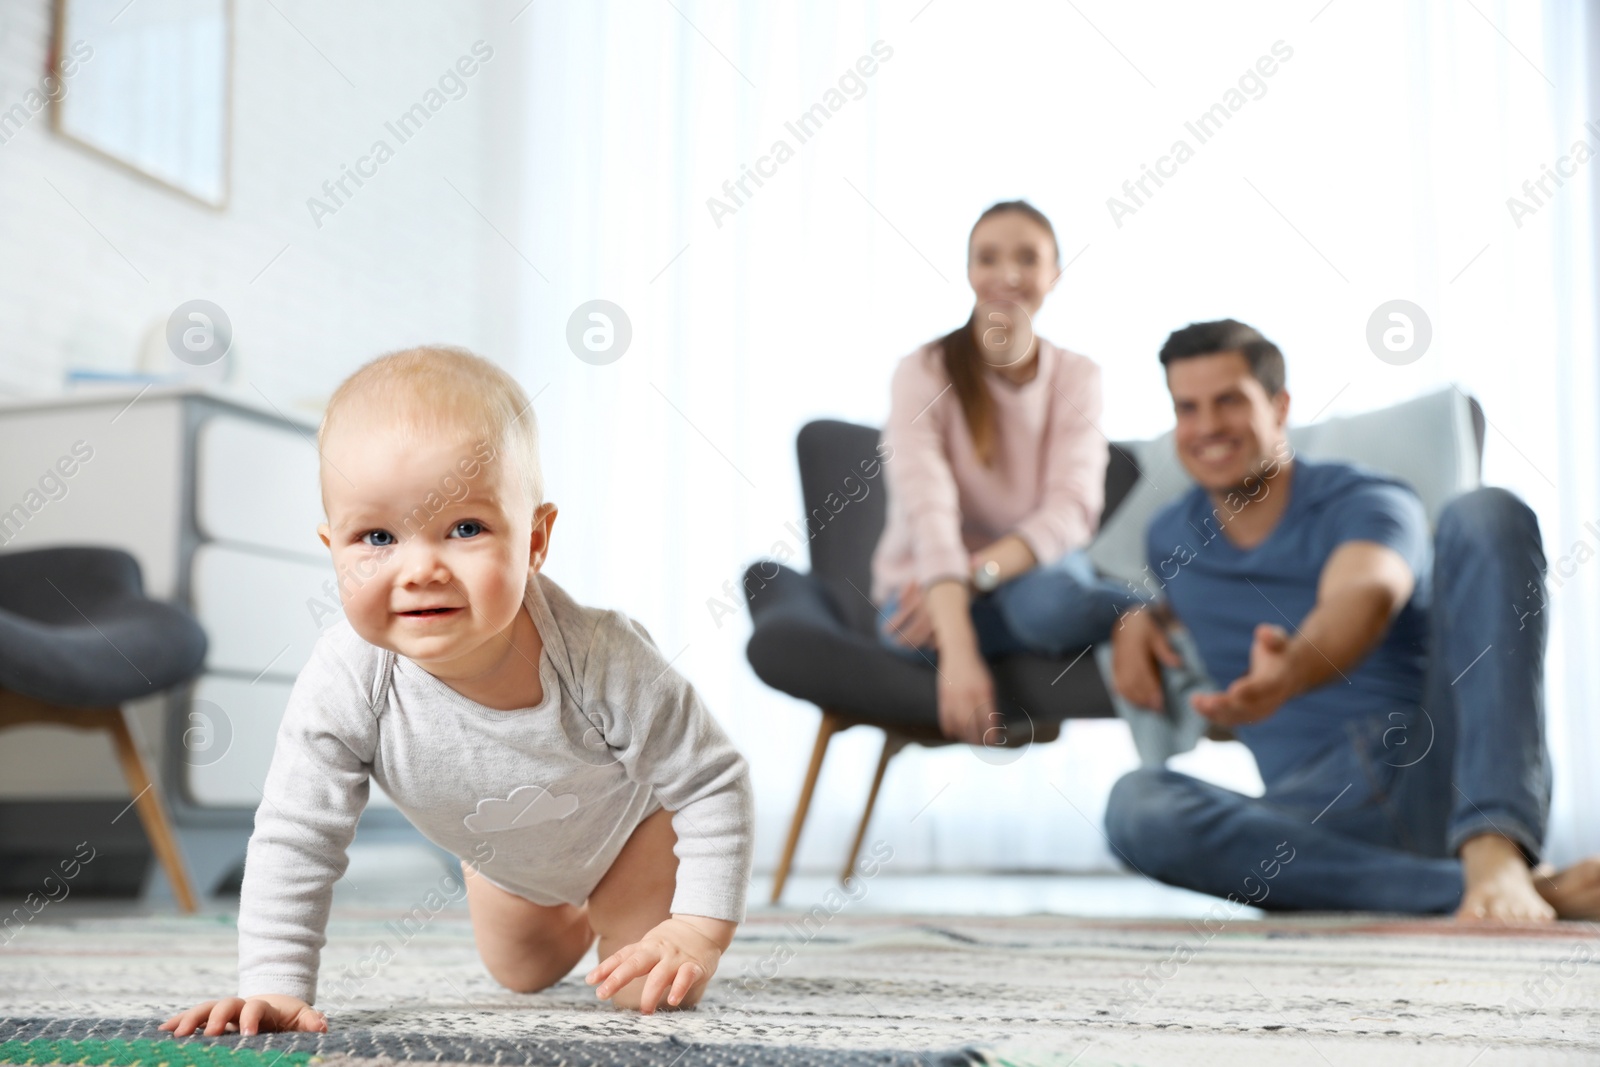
[(831, 724), (152, 812), (892, 744)]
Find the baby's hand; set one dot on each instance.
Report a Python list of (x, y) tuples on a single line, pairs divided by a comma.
[(680, 956), (268, 1013)]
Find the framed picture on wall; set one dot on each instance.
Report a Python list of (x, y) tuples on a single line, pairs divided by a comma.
[(148, 85)]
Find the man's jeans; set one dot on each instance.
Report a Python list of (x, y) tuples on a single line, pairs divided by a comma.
[(1047, 610), (1373, 822)]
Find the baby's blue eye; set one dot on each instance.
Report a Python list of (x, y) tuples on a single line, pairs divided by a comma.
[(473, 528), (385, 538)]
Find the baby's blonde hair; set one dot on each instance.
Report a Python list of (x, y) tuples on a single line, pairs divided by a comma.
[(426, 390)]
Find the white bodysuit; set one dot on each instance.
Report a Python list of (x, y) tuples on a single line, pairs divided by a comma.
[(540, 800)]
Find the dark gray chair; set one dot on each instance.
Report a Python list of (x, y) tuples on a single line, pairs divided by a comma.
[(815, 634), (78, 638)]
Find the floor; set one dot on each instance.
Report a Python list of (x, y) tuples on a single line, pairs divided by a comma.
[(1018, 969), (387, 873)]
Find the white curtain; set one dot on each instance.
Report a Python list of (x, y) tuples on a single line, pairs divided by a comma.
[(1373, 163)]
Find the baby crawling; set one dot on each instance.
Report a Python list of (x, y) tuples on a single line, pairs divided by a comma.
[(549, 745)]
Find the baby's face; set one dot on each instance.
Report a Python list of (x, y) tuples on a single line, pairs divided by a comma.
[(431, 541)]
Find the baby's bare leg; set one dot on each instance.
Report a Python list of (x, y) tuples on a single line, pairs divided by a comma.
[(525, 946), (635, 896)]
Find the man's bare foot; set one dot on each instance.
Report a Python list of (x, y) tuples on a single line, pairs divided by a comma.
[(1574, 892), (1499, 886)]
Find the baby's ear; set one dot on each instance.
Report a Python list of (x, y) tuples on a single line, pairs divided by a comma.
[(544, 521)]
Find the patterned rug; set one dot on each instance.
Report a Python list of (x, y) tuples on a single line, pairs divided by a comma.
[(848, 989)]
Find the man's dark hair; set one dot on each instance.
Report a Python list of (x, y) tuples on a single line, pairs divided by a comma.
[(1228, 335)]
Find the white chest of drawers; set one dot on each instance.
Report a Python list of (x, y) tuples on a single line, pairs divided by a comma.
[(217, 499)]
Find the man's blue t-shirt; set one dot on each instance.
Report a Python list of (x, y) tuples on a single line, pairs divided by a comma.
[(1221, 592)]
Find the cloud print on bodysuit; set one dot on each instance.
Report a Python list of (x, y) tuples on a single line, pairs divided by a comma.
[(527, 805)]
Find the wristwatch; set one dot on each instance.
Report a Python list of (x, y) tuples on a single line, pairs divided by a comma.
[(986, 576)]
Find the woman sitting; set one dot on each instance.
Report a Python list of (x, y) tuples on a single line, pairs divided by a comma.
[(996, 476)]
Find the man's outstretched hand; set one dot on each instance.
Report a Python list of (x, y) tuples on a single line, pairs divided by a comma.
[(264, 1014), (1260, 692)]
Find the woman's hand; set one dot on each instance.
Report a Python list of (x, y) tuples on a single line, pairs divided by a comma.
[(966, 689), (267, 1013), (911, 624), (966, 697), (679, 955)]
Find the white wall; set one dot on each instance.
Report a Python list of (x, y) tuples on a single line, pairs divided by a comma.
[(405, 260)]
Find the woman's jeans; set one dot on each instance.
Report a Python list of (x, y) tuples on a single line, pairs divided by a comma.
[(1048, 610), (1373, 821)]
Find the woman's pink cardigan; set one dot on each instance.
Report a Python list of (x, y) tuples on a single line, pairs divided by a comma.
[(1047, 484)]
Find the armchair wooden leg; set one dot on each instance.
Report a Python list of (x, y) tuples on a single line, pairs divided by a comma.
[(152, 812), (892, 744), (831, 724)]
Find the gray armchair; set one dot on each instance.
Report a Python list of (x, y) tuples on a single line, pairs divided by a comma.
[(815, 634), (78, 638)]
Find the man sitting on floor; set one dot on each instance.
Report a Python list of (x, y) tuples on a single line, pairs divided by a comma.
[(1390, 692)]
